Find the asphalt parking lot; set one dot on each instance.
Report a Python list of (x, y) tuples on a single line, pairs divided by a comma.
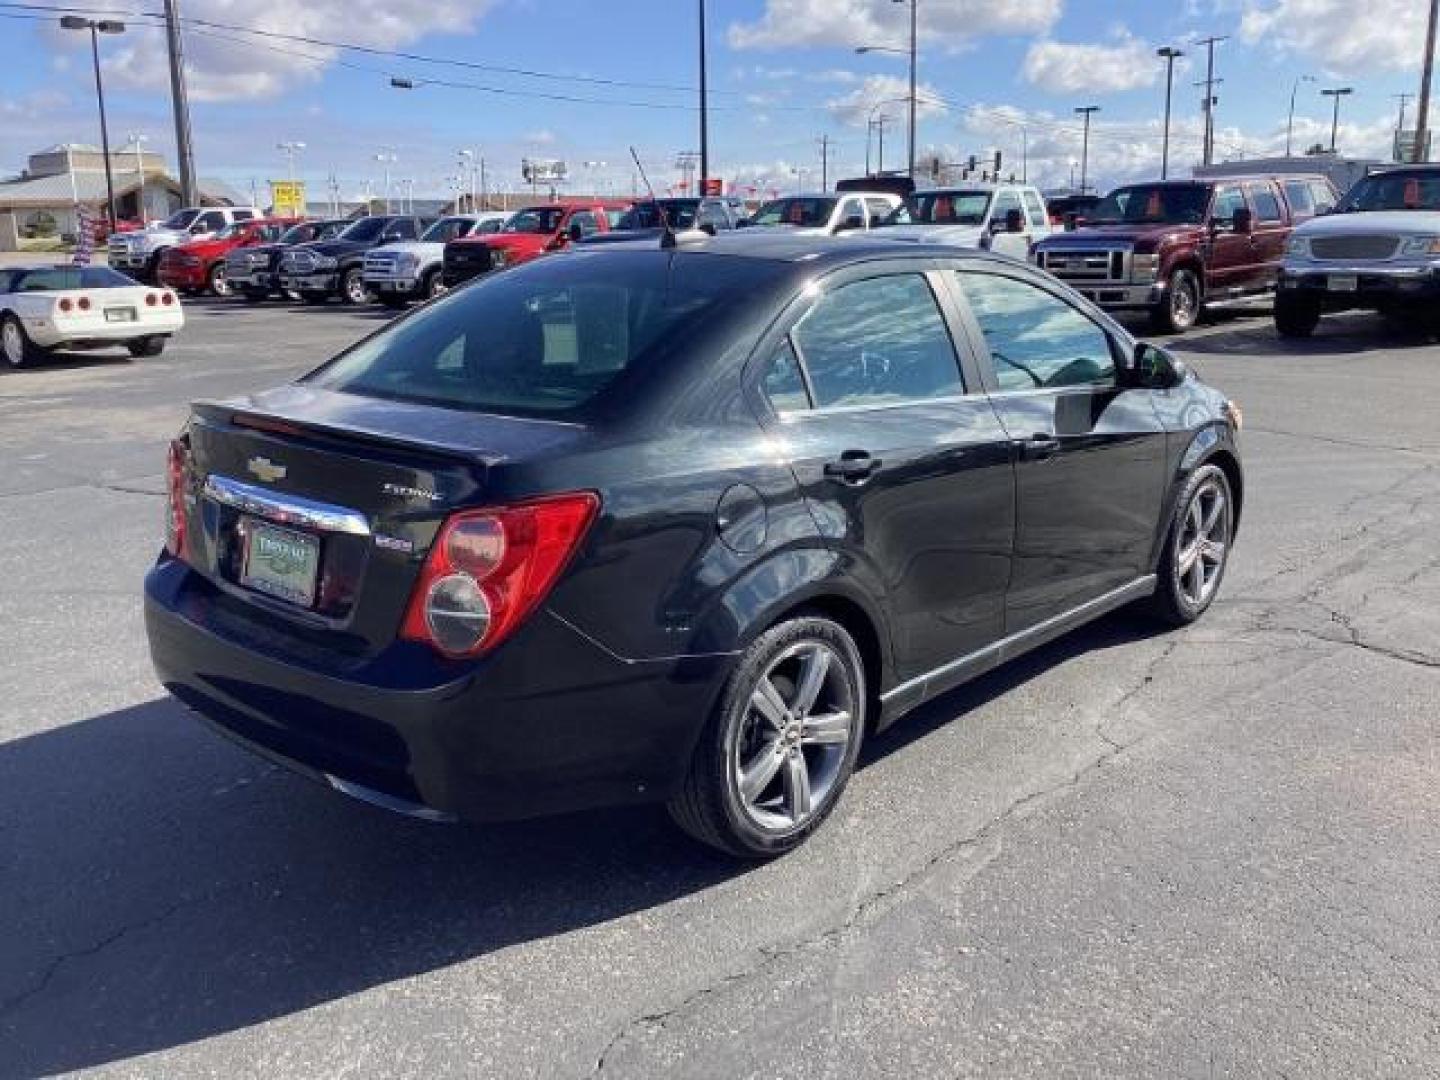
[(1207, 853)]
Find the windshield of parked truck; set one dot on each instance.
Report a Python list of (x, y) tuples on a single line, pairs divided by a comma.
[(646, 215), (542, 219), (1153, 204), (364, 230), (1394, 191), (181, 219), (942, 208), (809, 213)]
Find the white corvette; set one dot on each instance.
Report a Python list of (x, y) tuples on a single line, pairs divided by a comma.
[(43, 308)]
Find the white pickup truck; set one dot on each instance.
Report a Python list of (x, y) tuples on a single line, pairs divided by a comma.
[(399, 273), (1004, 218), (826, 213)]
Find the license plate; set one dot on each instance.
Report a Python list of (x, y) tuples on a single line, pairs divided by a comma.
[(120, 314), (1343, 283), (280, 562)]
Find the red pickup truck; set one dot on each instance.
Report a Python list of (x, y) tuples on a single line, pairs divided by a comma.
[(1175, 248), (530, 233), (199, 266)]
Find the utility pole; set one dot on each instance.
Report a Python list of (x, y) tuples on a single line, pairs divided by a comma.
[(1085, 110), (179, 104), (1169, 55), (914, 26), (1404, 100), (1336, 93), (704, 111), (826, 148), (1210, 99), (1290, 125), (1422, 122), (880, 143)]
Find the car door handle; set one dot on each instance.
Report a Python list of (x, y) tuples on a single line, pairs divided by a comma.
[(1039, 447), (853, 467)]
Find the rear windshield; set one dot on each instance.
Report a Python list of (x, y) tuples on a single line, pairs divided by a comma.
[(798, 211), (647, 215), (942, 208), (1394, 191), (550, 339), (52, 279)]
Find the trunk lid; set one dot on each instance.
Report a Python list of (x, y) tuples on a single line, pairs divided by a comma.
[(351, 489)]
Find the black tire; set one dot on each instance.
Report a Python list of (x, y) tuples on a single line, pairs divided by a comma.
[(255, 296), (309, 296), (151, 273), (1180, 310), (710, 805), (146, 346), (216, 282), (1176, 602), (16, 348), (431, 286), (353, 289), (1296, 316)]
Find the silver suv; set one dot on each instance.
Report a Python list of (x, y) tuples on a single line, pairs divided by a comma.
[(399, 273), (1379, 250), (138, 253)]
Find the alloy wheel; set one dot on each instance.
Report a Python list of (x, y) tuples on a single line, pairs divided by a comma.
[(1204, 544), (355, 289), (792, 744), (219, 281), (13, 343), (1184, 302)]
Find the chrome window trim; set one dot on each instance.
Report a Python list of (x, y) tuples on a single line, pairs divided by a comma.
[(285, 509)]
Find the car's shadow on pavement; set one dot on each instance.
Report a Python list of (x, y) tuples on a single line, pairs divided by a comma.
[(158, 886)]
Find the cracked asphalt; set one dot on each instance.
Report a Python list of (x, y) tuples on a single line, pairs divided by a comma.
[(1208, 853)]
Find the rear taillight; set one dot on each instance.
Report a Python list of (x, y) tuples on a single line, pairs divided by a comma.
[(175, 466), (151, 299), (489, 569), (66, 304), (167, 298), (83, 303)]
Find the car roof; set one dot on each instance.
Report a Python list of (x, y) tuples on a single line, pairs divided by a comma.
[(789, 247)]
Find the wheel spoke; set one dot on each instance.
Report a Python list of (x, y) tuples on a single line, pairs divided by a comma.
[(1197, 580), (1213, 552), (1213, 517), (832, 729), (756, 776), (813, 669), (769, 704), (797, 786), (1194, 517), (1188, 557)]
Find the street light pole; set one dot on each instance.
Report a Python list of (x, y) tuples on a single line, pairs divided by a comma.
[(1169, 55), (135, 140), (704, 111), (1086, 111), (180, 105), (1290, 125), (914, 26), (1422, 121), (1336, 93), (96, 28)]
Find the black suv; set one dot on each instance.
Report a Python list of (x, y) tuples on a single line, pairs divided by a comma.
[(254, 272), (336, 267), (677, 524)]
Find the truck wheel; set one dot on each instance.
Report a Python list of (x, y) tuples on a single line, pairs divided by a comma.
[(1180, 309), (353, 289), (1296, 316), (217, 281), (151, 274), (431, 286)]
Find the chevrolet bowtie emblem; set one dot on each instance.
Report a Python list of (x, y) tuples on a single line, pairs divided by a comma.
[(262, 468)]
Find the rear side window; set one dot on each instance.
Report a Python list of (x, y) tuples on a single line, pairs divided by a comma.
[(877, 342), (878, 209), (550, 339), (1267, 206), (244, 215), (1297, 194), (1324, 198), (1036, 340), (212, 221), (783, 383)]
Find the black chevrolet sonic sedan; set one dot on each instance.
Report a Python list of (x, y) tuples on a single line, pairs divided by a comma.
[(677, 524)]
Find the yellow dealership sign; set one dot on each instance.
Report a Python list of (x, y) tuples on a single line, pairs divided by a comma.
[(287, 198)]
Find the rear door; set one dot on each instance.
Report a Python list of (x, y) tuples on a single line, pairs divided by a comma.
[(902, 460), (1090, 457), (1272, 229)]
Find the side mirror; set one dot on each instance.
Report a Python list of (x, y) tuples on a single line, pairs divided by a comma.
[(1152, 368), (852, 223), (1014, 221), (575, 232), (1243, 222)]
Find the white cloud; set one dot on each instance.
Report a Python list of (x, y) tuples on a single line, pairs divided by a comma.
[(788, 24), (1384, 35), (226, 65), (856, 108), (543, 137), (1110, 68)]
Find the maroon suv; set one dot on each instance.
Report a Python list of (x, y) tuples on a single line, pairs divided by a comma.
[(1176, 247)]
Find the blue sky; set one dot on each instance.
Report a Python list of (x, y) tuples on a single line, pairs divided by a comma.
[(783, 72)]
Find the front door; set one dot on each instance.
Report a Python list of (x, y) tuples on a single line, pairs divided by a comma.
[(1090, 457), (1234, 264), (902, 459)]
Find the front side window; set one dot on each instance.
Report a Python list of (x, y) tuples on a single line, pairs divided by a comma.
[(807, 213), (181, 219), (1005, 202), (1036, 209), (877, 342), (364, 230), (1036, 340), (1227, 201), (583, 220), (1399, 190), (543, 220), (447, 229), (210, 222)]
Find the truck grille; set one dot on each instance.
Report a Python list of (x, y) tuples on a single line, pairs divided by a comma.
[(118, 246), (1354, 247), (298, 262), (380, 263), (1091, 266)]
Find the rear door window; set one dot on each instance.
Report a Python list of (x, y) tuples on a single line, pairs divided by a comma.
[(1267, 205), (878, 341), (1323, 196), (1005, 201), (1300, 198), (1038, 218)]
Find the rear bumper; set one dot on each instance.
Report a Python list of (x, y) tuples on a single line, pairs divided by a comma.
[(1375, 285), (550, 723), (96, 333)]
